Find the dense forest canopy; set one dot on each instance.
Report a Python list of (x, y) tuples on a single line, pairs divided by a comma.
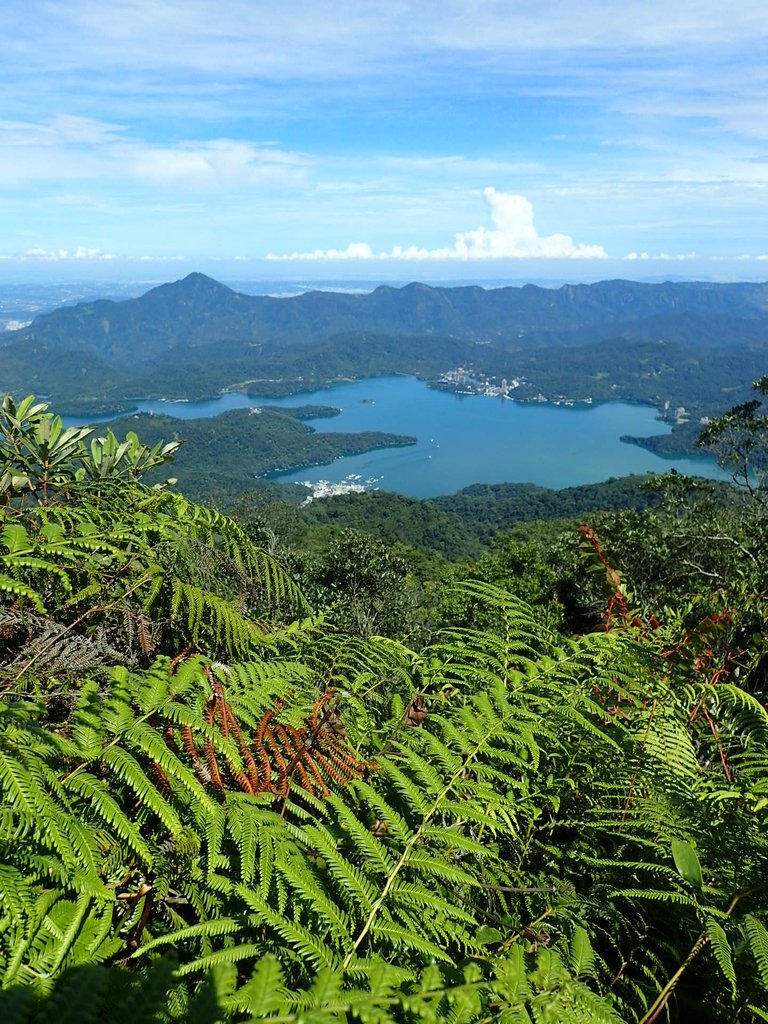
[(248, 778)]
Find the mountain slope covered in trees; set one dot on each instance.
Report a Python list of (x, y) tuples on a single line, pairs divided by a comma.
[(675, 342), (199, 311)]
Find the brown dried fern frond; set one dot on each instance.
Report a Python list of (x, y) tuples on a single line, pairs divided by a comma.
[(313, 756)]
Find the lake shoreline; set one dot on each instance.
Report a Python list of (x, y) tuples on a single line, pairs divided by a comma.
[(459, 439)]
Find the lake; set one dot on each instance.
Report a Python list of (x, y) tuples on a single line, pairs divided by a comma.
[(466, 439)]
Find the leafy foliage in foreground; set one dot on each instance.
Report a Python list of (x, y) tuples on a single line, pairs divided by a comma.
[(289, 823), (100, 569)]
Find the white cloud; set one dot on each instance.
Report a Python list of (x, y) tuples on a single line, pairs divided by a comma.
[(354, 251), (513, 236), (61, 149), (604, 24), (325, 37), (62, 129), (194, 59), (664, 256), (57, 255), (219, 162)]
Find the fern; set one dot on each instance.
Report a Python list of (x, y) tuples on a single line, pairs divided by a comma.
[(17, 589), (294, 809), (379, 993)]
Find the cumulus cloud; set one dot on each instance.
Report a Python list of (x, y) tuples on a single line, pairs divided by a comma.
[(512, 236), (162, 259), (354, 251)]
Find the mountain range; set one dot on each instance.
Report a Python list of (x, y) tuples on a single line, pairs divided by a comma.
[(190, 338)]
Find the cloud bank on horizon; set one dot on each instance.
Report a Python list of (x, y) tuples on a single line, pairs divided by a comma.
[(513, 236), (354, 132)]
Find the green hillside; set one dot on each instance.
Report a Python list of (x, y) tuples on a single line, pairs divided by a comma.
[(245, 780)]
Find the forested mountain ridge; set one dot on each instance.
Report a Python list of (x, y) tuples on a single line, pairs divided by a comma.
[(198, 311), (456, 527), (672, 342)]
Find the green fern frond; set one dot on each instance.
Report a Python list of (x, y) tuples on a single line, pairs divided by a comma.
[(757, 937), (216, 620), (718, 941), (23, 591), (660, 895)]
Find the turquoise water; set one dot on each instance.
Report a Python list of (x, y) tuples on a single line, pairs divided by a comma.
[(466, 439)]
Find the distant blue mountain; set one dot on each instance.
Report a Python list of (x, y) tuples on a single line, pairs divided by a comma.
[(198, 312)]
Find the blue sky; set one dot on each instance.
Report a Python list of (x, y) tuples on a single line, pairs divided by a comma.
[(142, 139)]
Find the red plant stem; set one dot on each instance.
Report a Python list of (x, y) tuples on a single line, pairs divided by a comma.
[(719, 745)]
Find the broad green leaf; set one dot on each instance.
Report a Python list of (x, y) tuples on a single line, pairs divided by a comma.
[(687, 862)]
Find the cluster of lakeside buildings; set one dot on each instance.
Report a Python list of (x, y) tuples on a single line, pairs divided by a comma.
[(462, 381), (679, 415), (352, 484)]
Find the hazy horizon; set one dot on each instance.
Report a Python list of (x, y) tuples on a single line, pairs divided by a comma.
[(368, 276)]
